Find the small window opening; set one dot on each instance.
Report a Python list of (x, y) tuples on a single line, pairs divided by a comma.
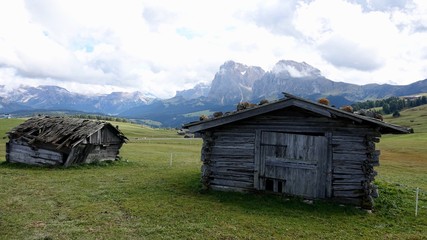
[(269, 184), (279, 186)]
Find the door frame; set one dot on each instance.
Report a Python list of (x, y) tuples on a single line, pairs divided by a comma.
[(259, 164)]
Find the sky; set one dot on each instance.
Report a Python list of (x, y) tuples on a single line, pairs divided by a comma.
[(161, 46)]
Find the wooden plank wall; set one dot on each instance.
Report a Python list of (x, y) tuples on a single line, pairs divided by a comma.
[(354, 158), (100, 153), (228, 160), (20, 152), (104, 136), (228, 154)]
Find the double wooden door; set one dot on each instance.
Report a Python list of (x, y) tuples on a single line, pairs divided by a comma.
[(294, 164)]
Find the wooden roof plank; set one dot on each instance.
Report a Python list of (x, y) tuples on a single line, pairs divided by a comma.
[(301, 103), (53, 130), (244, 114)]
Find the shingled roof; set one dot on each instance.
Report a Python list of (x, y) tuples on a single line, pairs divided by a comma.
[(294, 101), (60, 132)]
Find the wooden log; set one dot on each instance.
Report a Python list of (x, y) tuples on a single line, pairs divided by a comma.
[(357, 167), (348, 180), (233, 159), (228, 188), (349, 193), (375, 158), (356, 146), (290, 164), (231, 183), (347, 163), (347, 187), (26, 150), (350, 157), (25, 158), (233, 145), (244, 165), (231, 169), (348, 176), (230, 172), (234, 176), (347, 171)]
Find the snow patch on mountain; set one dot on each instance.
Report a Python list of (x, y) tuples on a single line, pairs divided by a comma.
[(295, 69)]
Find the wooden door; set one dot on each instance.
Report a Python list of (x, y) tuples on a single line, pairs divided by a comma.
[(294, 164)]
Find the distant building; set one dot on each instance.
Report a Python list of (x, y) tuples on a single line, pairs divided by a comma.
[(63, 141)]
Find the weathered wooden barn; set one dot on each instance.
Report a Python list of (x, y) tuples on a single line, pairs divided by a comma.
[(293, 146), (63, 141)]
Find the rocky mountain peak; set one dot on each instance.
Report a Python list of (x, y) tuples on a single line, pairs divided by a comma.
[(233, 82), (232, 67), (200, 90), (293, 69)]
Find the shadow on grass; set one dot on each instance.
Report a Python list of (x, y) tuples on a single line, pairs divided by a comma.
[(256, 202), (94, 165)]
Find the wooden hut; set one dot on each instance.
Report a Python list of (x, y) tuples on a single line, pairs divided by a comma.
[(63, 141), (293, 146)]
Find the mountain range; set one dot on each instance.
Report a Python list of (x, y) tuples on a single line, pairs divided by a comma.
[(233, 83), (28, 98)]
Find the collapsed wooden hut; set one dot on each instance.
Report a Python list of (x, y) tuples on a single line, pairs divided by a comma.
[(63, 141), (293, 146)]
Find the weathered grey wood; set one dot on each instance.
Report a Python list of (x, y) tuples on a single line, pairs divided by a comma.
[(375, 159), (351, 171), (37, 153), (346, 175), (298, 164), (349, 193), (263, 147), (347, 163), (25, 154), (25, 158), (234, 159), (236, 169), (231, 152), (232, 176), (54, 139), (350, 157), (257, 155), (70, 158), (347, 187), (337, 181), (242, 164), (228, 188), (274, 162), (231, 183), (328, 167)]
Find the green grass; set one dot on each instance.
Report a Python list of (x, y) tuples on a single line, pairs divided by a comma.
[(413, 117), (198, 114), (404, 157), (154, 193)]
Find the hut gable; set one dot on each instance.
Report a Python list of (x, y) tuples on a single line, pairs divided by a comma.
[(63, 141), (293, 146)]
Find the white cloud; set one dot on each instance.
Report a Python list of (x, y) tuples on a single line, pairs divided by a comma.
[(163, 46)]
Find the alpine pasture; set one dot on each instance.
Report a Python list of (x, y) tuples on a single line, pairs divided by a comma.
[(154, 192)]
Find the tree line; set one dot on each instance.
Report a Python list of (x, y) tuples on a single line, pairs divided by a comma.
[(100, 117), (391, 104)]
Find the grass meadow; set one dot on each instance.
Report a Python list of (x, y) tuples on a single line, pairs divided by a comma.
[(154, 193)]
